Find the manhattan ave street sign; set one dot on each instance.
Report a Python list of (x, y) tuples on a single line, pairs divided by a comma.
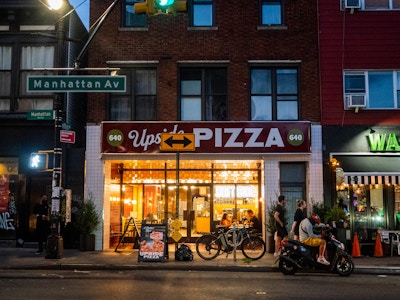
[(177, 142), (77, 83)]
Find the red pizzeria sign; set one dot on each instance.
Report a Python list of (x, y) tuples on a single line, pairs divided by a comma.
[(210, 137)]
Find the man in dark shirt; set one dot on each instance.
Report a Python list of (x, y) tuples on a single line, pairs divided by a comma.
[(281, 232), (254, 222)]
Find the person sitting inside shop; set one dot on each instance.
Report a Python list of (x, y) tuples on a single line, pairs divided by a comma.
[(254, 222), (226, 220)]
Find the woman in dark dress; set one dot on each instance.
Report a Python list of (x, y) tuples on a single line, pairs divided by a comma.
[(298, 217)]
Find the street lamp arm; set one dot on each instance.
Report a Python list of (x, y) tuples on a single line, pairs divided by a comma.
[(99, 22)]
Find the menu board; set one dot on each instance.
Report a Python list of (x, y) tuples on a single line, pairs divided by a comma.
[(153, 242)]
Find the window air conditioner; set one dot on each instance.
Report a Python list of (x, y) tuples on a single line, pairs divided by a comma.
[(356, 100), (352, 4)]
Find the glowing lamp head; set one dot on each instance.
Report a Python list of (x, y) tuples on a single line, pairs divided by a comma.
[(55, 4)]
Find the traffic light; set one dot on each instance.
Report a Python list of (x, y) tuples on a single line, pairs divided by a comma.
[(39, 161), (146, 7), (152, 7)]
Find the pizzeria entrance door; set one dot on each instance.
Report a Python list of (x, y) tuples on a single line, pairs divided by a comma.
[(193, 209)]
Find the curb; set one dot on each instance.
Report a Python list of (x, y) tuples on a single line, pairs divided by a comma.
[(177, 267)]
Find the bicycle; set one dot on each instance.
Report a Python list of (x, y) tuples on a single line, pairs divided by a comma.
[(209, 246)]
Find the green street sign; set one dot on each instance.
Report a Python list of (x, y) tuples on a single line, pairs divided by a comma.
[(40, 115), (81, 84)]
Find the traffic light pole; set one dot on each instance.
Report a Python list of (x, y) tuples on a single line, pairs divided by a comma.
[(55, 246)]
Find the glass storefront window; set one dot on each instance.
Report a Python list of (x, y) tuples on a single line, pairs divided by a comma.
[(148, 190)]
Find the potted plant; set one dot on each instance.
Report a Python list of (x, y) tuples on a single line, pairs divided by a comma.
[(87, 221), (334, 216), (337, 217)]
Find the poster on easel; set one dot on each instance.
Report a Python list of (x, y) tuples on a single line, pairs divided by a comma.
[(153, 243)]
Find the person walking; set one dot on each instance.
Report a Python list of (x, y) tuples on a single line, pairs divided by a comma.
[(281, 232), (298, 217), (41, 211)]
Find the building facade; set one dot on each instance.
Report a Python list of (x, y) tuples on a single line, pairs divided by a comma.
[(33, 38), (359, 91), (242, 76)]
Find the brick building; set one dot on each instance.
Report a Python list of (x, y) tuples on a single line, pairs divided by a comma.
[(242, 75)]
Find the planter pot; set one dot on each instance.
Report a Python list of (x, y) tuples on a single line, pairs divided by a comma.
[(270, 244), (87, 242)]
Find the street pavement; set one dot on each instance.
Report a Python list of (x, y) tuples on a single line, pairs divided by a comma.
[(127, 259)]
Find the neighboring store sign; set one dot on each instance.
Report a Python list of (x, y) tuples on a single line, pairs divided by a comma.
[(383, 142), (210, 137), (80, 83), (153, 242), (177, 142)]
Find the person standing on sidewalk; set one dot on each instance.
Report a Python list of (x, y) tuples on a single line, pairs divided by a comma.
[(41, 211), (281, 232), (298, 217)]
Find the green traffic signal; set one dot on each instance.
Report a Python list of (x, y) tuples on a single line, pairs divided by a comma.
[(164, 3)]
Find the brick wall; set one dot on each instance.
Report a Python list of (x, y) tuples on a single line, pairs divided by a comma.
[(235, 39)]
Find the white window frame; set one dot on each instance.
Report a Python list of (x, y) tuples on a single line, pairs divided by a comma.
[(365, 73), (390, 6)]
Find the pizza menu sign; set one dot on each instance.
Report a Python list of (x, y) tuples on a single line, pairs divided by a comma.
[(210, 137)]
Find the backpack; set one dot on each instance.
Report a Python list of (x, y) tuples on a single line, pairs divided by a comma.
[(183, 253)]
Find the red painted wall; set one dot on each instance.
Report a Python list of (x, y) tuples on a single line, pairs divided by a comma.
[(362, 40)]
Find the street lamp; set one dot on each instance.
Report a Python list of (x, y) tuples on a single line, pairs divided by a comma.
[(55, 4)]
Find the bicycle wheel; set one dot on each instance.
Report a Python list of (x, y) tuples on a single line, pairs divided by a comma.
[(253, 247), (208, 246)]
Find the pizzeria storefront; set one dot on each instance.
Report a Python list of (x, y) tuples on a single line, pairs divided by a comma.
[(225, 172), (365, 172)]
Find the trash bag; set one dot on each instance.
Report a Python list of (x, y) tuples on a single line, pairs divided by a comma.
[(183, 253)]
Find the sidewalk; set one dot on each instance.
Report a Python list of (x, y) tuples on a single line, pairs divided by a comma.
[(73, 259)]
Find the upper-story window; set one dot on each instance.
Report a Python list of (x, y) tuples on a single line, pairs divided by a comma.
[(372, 89), (129, 18), (202, 13), (372, 4), (203, 94), (274, 94), (139, 102), (14, 96), (5, 78), (271, 12)]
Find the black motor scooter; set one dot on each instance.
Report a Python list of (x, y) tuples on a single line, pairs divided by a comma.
[(297, 256)]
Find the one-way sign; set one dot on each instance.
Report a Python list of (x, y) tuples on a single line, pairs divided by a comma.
[(177, 142)]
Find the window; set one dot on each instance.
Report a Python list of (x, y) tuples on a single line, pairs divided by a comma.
[(5, 78), (129, 18), (34, 57), (292, 185), (380, 88), (202, 13), (377, 4), (381, 4), (203, 93), (274, 94), (139, 102), (271, 12)]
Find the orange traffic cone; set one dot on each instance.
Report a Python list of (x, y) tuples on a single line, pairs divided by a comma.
[(356, 252), (378, 252)]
